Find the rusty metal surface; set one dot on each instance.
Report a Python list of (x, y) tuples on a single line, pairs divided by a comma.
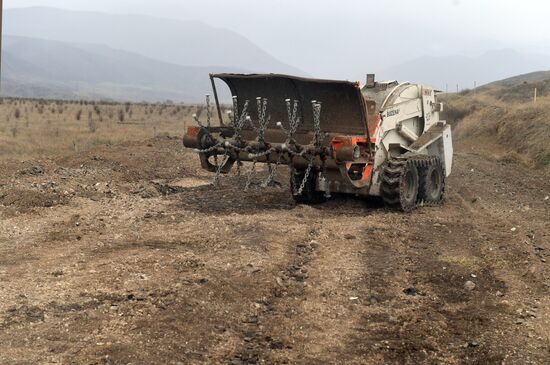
[(343, 105)]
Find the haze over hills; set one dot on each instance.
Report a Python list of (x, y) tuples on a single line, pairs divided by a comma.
[(52, 69), (531, 77), (78, 54), (186, 43), (463, 71)]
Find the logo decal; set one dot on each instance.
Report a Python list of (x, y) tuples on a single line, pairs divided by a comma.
[(391, 113)]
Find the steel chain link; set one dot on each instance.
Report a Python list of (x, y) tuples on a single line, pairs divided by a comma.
[(327, 181), (317, 123), (304, 181), (272, 171), (216, 181), (250, 175)]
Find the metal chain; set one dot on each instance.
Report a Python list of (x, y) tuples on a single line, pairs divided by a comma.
[(208, 126), (292, 172), (263, 119), (327, 181), (317, 123), (218, 164), (293, 120), (216, 181), (272, 171), (238, 124), (196, 118), (306, 177), (260, 154), (317, 141), (287, 101), (209, 149), (250, 175), (235, 110), (239, 120)]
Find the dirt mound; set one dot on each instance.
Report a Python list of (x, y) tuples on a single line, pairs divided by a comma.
[(24, 199), (160, 158)]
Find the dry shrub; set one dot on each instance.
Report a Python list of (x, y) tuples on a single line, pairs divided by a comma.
[(91, 123)]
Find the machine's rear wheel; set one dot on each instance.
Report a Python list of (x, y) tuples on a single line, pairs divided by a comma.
[(400, 183), (432, 182), (308, 195)]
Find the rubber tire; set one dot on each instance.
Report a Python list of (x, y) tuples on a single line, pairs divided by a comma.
[(432, 183), (309, 195), (400, 183)]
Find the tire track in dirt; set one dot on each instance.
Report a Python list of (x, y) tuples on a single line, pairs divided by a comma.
[(443, 252), (312, 317), (260, 338)]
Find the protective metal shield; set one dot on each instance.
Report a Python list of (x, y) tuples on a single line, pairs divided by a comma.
[(343, 105)]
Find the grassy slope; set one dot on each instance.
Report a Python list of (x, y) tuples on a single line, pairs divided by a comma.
[(505, 116)]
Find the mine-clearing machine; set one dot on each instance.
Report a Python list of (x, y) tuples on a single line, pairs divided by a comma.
[(381, 139)]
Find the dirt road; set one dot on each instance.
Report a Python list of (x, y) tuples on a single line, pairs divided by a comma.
[(125, 255)]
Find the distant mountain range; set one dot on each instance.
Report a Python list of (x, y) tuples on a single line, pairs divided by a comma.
[(51, 69), (450, 71), (65, 54), (54, 53), (186, 43)]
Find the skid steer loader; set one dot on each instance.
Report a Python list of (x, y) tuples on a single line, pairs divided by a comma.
[(380, 139)]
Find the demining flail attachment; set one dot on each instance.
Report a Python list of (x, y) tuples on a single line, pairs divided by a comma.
[(227, 145)]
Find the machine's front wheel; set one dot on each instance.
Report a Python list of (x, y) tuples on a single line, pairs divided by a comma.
[(308, 194), (400, 183)]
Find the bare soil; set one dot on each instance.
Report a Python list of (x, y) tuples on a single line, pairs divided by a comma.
[(126, 255)]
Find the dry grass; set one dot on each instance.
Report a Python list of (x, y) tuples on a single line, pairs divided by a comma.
[(520, 127), (39, 128)]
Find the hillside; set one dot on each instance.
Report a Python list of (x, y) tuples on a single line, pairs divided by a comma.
[(525, 78), (52, 69), (502, 118), (186, 43)]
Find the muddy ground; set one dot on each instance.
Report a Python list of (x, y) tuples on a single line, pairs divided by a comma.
[(126, 255)]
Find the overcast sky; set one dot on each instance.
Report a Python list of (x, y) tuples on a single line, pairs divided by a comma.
[(517, 20), (395, 29)]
